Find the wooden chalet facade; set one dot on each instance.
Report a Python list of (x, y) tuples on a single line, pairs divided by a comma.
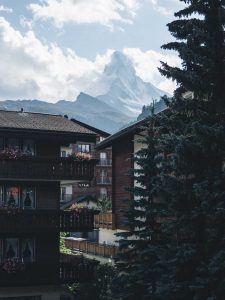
[(31, 169), (88, 192)]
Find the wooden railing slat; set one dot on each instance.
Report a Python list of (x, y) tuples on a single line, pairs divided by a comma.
[(45, 220)]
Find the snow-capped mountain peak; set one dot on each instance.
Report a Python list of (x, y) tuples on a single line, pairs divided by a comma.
[(120, 66), (124, 89)]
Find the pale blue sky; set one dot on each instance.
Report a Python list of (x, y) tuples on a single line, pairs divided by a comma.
[(91, 29)]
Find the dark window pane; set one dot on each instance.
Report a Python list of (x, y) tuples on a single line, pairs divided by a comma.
[(12, 196), (84, 148), (28, 147), (1, 143), (13, 143), (28, 198), (27, 250)]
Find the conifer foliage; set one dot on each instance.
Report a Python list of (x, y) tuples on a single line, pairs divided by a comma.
[(138, 266), (176, 244)]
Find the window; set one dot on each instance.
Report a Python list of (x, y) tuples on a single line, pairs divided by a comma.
[(11, 248), (1, 143), (28, 147), (63, 193), (12, 195), (28, 198), (103, 173), (63, 153), (23, 197), (103, 158), (1, 196), (103, 192), (13, 143), (27, 250), (84, 148), (103, 155), (23, 248)]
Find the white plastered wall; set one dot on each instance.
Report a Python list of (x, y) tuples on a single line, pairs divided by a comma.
[(108, 236), (68, 150)]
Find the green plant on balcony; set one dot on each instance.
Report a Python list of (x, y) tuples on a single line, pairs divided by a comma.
[(104, 204), (63, 248)]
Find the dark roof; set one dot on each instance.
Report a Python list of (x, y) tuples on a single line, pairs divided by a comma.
[(121, 134), (96, 130), (41, 122), (131, 129)]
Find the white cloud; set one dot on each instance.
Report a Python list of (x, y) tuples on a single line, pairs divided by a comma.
[(160, 9), (26, 23), (165, 7), (6, 9), (147, 63), (104, 12), (32, 69)]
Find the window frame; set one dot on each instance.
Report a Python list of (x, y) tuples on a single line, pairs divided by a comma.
[(80, 147)]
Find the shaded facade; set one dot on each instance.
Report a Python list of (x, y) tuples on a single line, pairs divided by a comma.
[(31, 172)]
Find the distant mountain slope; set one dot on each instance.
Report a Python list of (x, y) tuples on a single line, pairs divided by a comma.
[(87, 109)]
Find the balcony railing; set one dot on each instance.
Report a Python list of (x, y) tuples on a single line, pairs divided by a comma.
[(105, 220), (105, 162), (92, 248), (42, 168), (104, 180), (70, 271), (45, 221), (74, 268)]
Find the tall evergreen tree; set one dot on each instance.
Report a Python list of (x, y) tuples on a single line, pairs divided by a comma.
[(195, 134), (183, 165), (138, 265)]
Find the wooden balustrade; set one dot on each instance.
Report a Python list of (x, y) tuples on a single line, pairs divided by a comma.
[(42, 168), (45, 221), (92, 248), (49, 273), (75, 268), (105, 220), (30, 274)]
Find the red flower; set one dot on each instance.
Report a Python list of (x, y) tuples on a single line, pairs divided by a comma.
[(12, 265)]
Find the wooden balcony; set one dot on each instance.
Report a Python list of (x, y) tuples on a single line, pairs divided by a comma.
[(105, 220), (92, 248), (45, 168), (70, 271), (20, 221), (74, 268)]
